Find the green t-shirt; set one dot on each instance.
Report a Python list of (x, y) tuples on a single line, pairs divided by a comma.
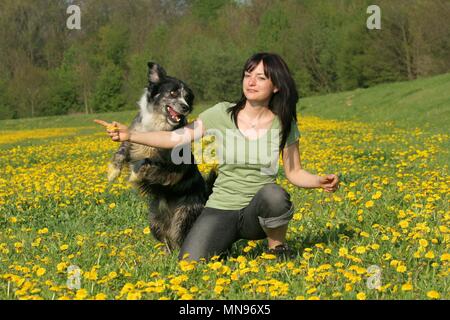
[(241, 172)]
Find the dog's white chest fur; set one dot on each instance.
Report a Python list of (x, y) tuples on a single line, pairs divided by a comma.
[(151, 120)]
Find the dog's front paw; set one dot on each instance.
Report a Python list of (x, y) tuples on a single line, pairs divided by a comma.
[(113, 172), (134, 177)]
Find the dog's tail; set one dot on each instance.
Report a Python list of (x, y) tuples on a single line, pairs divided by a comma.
[(210, 181)]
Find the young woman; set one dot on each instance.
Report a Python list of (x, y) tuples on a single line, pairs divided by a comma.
[(246, 203)]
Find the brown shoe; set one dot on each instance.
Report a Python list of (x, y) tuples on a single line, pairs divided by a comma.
[(282, 251)]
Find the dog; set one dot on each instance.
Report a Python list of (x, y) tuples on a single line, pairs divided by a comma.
[(176, 192)]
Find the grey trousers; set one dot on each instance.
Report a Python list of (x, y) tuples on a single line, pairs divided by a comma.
[(215, 230)]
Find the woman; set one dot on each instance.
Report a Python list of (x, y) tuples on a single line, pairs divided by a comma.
[(246, 203)]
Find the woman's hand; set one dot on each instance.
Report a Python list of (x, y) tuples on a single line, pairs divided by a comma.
[(330, 182), (117, 131)]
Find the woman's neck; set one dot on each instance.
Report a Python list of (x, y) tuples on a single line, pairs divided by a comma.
[(256, 109)]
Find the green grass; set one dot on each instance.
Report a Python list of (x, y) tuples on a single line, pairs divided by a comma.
[(59, 183), (423, 103)]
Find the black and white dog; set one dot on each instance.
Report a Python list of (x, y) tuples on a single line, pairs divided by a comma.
[(176, 192)]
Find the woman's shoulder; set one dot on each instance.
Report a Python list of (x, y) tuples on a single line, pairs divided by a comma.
[(223, 105), (218, 109), (216, 115)]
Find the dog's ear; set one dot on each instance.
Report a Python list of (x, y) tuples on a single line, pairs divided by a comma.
[(155, 73)]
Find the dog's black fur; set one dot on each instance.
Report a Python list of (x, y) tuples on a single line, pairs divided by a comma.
[(176, 193)]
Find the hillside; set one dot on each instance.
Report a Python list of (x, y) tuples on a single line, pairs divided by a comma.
[(423, 103)]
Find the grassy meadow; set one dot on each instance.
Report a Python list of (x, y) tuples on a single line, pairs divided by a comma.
[(389, 144)]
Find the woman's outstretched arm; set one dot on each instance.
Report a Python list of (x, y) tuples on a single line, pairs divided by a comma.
[(158, 139)]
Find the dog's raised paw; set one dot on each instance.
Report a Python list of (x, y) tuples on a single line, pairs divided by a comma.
[(113, 172), (134, 177)]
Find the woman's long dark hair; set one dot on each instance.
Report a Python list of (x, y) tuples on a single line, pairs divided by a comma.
[(284, 101)]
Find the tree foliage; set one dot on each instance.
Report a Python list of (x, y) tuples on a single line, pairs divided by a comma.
[(47, 69)]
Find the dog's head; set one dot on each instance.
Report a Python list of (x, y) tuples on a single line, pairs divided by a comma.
[(168, 96)]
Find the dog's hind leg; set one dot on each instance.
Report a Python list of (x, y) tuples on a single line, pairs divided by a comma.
[(183, 219), (121, 156)]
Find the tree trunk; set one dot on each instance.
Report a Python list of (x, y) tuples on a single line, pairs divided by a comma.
[(86, 106), (407, 53)]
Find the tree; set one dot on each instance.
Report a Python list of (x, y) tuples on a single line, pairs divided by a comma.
[(108, 90)]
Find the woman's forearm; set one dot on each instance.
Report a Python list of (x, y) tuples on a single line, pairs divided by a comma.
[(157, 139), (303, 179)]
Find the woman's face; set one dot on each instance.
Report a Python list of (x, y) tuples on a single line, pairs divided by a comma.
[(256, 86)]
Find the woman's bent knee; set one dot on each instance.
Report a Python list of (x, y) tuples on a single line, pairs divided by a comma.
[(274, 201)]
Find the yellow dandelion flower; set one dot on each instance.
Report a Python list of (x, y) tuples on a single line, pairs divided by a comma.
[(194, 289), (360, 250), (445, 257), (216, 265), (134, 295), (218, 289), (40, 272), (43, 231), (81, 294), (403, 224), (146, 230), (64, 247), (401, 268), (364, 234), (377, 195), (268, 256), (186, 266), (407, 287), (297, 216), (100, 296), (261, 289), (343, 252), (433, 294), (369, 204), (187, 296), (423, 243), (112, 205), (429, 255), (361, 296), (312, 290)]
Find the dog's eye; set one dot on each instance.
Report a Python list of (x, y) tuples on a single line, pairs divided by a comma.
[(174, 94)]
